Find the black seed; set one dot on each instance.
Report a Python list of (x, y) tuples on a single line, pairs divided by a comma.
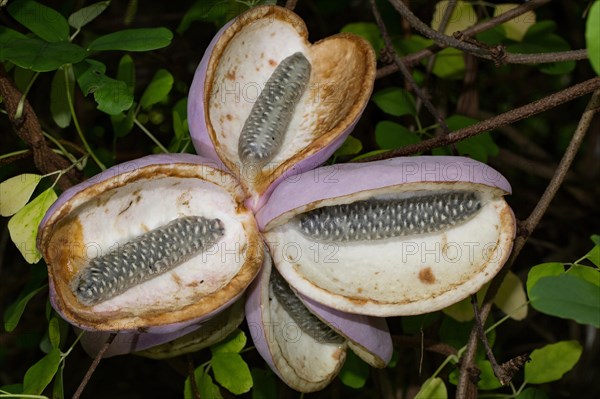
[(379, 219), (306, 321), (145, 257), (264, 130)]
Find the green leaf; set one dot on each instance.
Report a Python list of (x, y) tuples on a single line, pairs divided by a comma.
[(16, 191), (568, 297), (15, 311), (355, 371), (541, 28), (143, 39), (59, 103), (449, 64), (158, 89), (85, 15), (368, 31), (395, 101), (479, 147), (586, 273), (517, 27), (41, 373), (595, 239), (58, 389), (592, 36), (47, 23), (126, 72), (532, 393), (123, 123), (264, 384), (368, 154), (351, 146), (463, 15), (552, 361), (217, 11), (180, 126), (41, 56), (12, 388), (231, 371), (206, 387), (23, 226), (432, 388), (391, 135), (511, 298), (487, 378), (543, 270), (460, 311), (112, 96), (233, 343), (54, 332), (594, 255)]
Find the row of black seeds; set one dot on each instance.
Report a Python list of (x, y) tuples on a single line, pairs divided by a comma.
[(145, 257), (304, 319), (379, 219)]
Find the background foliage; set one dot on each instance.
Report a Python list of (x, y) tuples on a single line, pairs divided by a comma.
[(108, 82)]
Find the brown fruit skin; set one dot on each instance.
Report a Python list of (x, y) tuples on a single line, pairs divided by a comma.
[(342, 78), (60, 232)]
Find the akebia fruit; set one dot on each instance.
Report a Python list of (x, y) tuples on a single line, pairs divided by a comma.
[(305, 343), (267, 103), (395, 237), (157, 248), (154, 245)]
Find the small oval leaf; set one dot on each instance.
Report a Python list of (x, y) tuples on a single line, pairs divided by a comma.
[(23, 226), (432, 388), (511, 298), (592, 36), (16, 191), (143, 39), (158, 89), (59, 102), (41, 373), (45, 22), (232, 372), (552, 361), (85, 15)]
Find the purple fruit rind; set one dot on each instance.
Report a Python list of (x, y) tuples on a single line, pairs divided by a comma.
[(346, 179)]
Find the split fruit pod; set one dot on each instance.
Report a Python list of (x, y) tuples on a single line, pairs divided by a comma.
[(396, 237), (305, 342), (267, 103), (156, 246)]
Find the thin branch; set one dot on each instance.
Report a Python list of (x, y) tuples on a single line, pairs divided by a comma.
[(506, 118), (486, 345), (95, 362), (405, 72), (571, 55), (526, 228), (192, 377)]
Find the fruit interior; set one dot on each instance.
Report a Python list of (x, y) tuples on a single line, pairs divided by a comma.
[(407, 274), (244, 60), (103, 221)]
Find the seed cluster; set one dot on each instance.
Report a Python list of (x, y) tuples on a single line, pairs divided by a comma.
[(379, 219), (306, 321), (264, 130), (145, 257)]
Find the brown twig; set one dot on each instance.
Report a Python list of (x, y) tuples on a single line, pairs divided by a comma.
[(498, 54), (28, 128), (415, 58), (95, 362), (506, 118), (526, 228), (404, 70), (479, 326), (192, 377)]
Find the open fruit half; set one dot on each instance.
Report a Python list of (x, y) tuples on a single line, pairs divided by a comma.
[(269, 104), (153, 245), (305, 343), (396, 237)]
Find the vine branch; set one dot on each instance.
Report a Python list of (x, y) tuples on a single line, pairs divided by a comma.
[(95, 362), (514, 115), (405, 72), (465, 385), (28, 128), (571, 55)]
